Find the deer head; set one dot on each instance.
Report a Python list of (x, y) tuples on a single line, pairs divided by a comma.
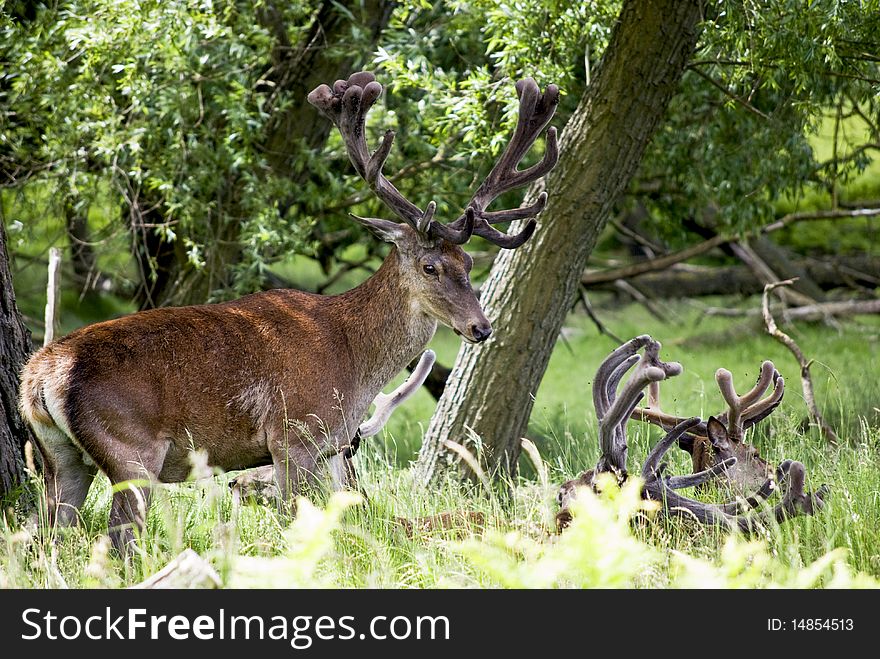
[(722, 436), (435, 267), (614, 408)]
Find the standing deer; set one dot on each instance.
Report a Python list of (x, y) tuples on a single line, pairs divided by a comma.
[(615, 407), (280, 377)]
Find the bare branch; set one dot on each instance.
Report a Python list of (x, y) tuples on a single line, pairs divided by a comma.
[(806, 381)]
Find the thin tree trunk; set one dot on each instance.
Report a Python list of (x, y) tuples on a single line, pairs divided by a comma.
[(531, 289), (82, 254), (15, 346)]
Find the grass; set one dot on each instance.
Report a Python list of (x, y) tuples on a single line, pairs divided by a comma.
[(362, 545)]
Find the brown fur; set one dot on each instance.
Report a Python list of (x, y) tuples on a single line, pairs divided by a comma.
[(280, 377), (750, 470), (457, 523)]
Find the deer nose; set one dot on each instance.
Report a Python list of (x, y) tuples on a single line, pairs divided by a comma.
[(481, 332)]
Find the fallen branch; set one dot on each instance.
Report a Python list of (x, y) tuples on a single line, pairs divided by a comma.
[(662, 262), (808, 313), (652, 265), (188, 570), (765, 274), (641, 298), (791, 218), (859, 272), (788, 342)]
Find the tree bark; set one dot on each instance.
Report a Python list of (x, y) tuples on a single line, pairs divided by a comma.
[(530, 290), (15, 347)]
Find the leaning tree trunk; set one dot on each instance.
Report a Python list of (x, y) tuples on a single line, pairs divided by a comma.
[(530, 289), (15, 346)]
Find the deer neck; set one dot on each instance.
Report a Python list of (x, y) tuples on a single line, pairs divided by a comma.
[(386, 327)]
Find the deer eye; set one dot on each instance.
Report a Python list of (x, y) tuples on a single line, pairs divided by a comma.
[(429, 269)]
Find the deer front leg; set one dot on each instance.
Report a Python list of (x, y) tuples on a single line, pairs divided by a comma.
[(296, 459)]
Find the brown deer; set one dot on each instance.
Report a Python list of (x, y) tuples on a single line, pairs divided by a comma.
[(721, 437), (614, 409), (260, 482), (280, 377)]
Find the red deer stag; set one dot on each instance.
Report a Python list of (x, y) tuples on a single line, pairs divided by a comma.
[(260, 482), (614, 409), (721, 437), (281, 377)]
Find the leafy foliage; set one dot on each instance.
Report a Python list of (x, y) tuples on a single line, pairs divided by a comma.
[(159, 113), (766, 75)]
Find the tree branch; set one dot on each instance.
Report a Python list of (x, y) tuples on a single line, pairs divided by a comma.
[(788, 342)]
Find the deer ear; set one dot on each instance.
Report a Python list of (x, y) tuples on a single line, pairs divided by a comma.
[(717, 433), (390, 232)]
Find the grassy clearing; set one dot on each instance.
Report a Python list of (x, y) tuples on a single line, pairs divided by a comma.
[(362, 545)]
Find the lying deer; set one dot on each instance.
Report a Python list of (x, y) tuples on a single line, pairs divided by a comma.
[(722, 436), (723, 433), (280, 377)]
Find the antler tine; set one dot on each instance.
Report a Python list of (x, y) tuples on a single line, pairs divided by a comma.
[(617, 375), (602, 393), (535, 111), (347, 105), (652, 462), (766, 377), (743, 411), (653, 414), (386, 403), (763, 408), (701, 477), (724, 379), (612, 432), (650, 370)]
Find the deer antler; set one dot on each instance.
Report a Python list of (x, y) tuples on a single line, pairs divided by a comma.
[(791, 474), (347, 105), (387, 403), (613, 412), (535, 111), (743, 411)]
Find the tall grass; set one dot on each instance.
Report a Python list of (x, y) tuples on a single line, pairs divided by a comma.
[(348, 542)]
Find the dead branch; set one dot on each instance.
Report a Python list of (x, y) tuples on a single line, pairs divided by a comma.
[(764, 273), (807, 313), (53, 296), (188, 570), (663, 262), (592, 314), (788, 342)]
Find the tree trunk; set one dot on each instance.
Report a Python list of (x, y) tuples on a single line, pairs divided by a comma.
[(529, 290), (325, 54), (15, 346), (780, 261)]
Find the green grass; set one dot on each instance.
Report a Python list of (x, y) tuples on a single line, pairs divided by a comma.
[(365, 547)]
